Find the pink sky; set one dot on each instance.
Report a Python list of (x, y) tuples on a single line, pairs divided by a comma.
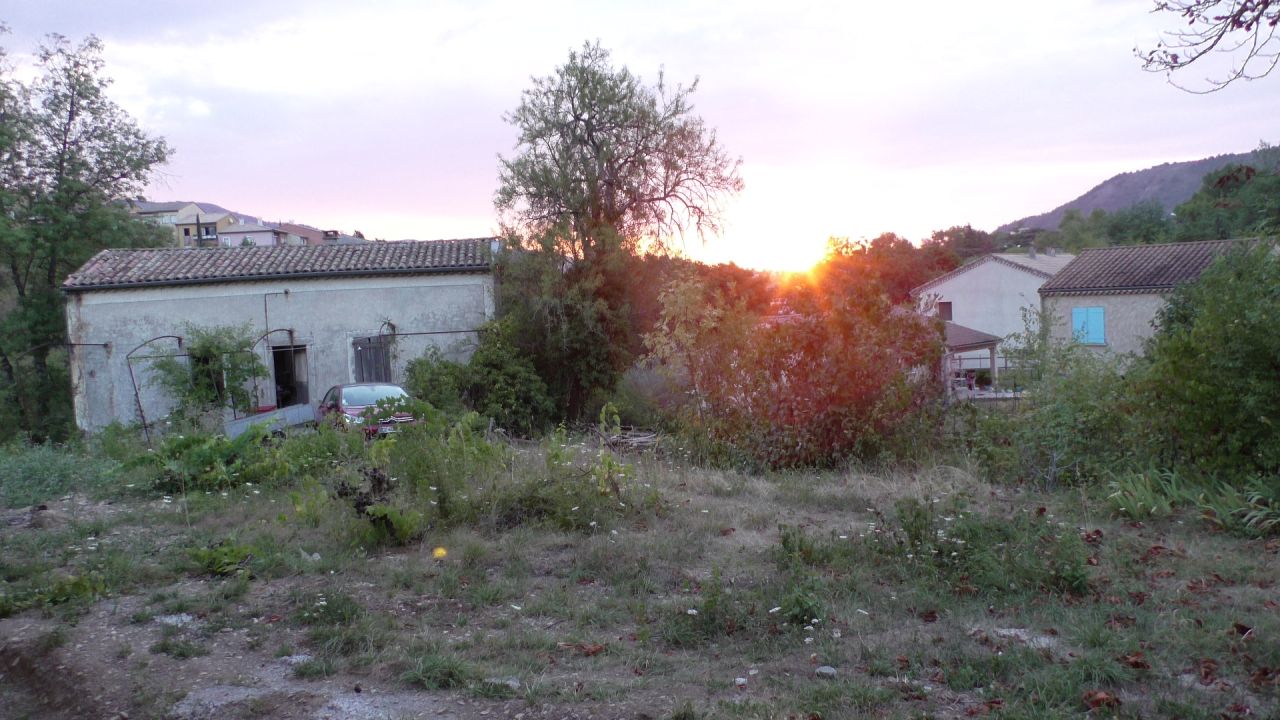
[(386, 117)]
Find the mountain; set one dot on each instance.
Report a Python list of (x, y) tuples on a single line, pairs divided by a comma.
[(1169, 184)]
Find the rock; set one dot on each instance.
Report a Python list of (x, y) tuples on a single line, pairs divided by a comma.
[(826, 672), (740, 682), (510, 683)]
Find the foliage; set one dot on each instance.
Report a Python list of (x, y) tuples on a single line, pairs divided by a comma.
[(606, 168), (896, 265), (1243, 30), (603, 157), (789, 393), (220, 365), (1072, 425), (66, 151), (222, 558), (498, 382), (963, 241), (194, 461), (1237, 201), (1208, 388)]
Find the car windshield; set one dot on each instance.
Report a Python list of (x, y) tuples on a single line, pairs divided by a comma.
[(361, 395)]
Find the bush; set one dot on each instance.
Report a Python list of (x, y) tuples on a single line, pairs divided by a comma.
[(220, 365), (498, 383), (194, 461), (840, 377), (1208, 388)]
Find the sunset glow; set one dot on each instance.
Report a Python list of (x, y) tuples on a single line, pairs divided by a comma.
[(845, 128)]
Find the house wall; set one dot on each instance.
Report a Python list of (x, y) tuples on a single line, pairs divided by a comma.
[(258, 237), (1127, 318), (989, 297), (326, 315)]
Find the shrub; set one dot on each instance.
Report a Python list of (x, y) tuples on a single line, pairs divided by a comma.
[(1208, 388), (498, 383), (220, 365), (196, 461), (841, 376)]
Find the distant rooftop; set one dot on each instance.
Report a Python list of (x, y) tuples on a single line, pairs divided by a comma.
[(114, 269), (1125, 269)]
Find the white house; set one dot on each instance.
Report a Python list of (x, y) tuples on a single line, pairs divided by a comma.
[(990, 295), (322, 314)]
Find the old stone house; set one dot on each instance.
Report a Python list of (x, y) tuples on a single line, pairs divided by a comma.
[(322, 315), (1108, 298)]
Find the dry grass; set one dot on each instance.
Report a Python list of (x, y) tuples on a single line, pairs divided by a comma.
[(658, 615)]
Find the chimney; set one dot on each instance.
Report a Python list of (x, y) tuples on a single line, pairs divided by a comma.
[(1031, 251)]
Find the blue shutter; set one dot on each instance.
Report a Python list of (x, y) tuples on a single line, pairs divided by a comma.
[(1097, 327), (1079, 323), (1088, 325)]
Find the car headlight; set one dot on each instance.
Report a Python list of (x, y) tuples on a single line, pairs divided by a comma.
[(353, 419)]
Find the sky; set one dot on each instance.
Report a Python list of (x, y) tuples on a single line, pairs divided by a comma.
[(851, 119)]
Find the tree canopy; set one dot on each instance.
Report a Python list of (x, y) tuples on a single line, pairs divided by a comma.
[(66, 151), (603, 157)]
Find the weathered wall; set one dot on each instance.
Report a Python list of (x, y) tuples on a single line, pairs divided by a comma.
[(1127, 318), (325, 315)]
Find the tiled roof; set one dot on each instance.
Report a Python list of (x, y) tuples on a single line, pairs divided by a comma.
[(247, 228), (1043, 266), (1136, 268), (193, 266), (960, 338)]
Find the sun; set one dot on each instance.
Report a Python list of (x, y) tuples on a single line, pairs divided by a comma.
[(788, 255)]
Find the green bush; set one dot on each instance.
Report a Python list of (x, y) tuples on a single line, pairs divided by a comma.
[(219, 366), (497, 382), (1208, 389), (194, 461)]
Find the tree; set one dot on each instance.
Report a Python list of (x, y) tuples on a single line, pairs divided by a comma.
[(66, 151), (605, 168), (1237, 201), (964, 241), (602, 157), (1245, 30)]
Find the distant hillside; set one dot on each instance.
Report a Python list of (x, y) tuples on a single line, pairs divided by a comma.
[(1170, 184)]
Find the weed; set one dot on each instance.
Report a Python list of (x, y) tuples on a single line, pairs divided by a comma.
[(178, 648), (434, 668), (314, 669), (222, 558), (31, 474)]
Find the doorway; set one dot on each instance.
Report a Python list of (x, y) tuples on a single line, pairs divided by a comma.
[(289, 363)]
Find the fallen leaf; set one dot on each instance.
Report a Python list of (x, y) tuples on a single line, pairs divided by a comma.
[(1117, 622), (1094, 699), (1138, 598), (1244, 631), (1208, 671), (1135, 660), (584, 649), (929, 616), (1265, 676), (728, 531), (1092, 537)]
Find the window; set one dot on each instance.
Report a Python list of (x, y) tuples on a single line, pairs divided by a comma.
[(186, 232), (944, 310), (373, 359), (209, 231), (1088, 325)]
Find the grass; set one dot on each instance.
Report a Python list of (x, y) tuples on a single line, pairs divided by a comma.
[(931, 592)]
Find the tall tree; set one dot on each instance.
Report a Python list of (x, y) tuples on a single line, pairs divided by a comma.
[(66, 152), (605, 167), (1244, 31), (602, 156)]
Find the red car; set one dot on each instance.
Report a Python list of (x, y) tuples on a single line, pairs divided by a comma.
[(348, 405)]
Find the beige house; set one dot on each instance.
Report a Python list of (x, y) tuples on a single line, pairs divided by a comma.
[(202, 229), (1108, 298), (322, 315)]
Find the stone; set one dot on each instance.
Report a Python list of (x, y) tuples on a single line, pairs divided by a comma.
[(826, 672)]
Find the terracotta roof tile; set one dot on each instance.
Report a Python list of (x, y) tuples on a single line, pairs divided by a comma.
[(1136, 268), (186, 266)]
